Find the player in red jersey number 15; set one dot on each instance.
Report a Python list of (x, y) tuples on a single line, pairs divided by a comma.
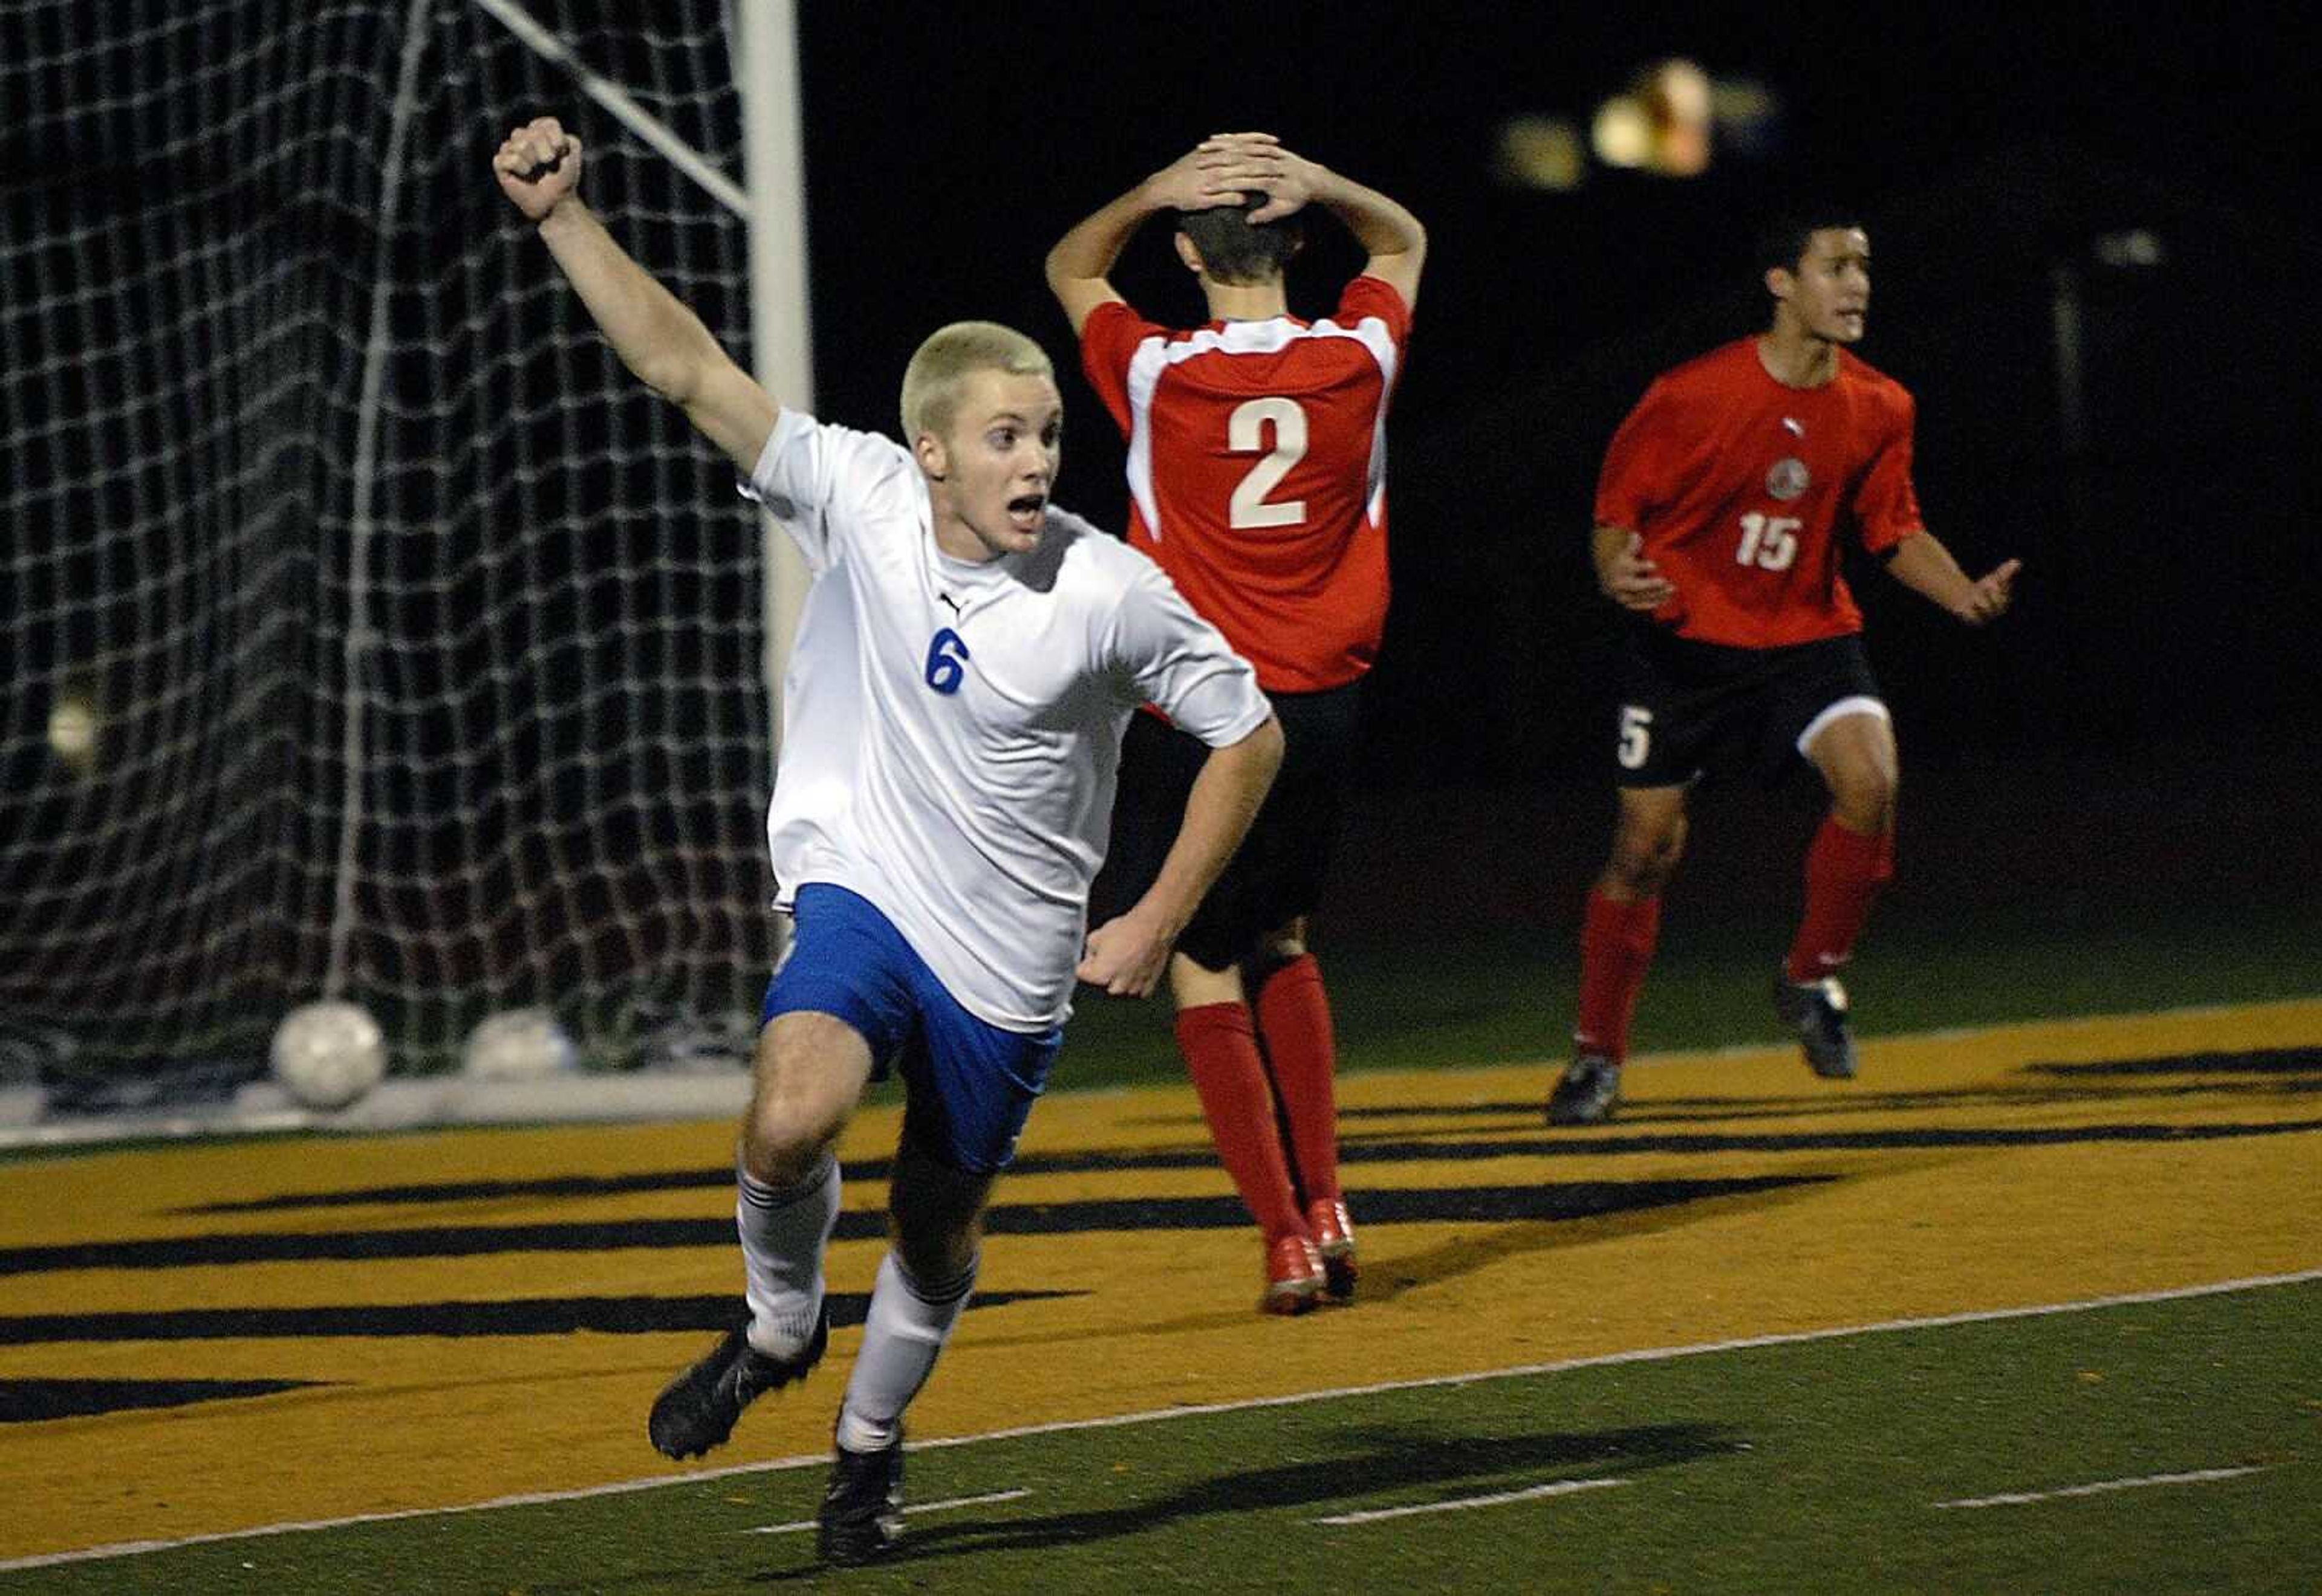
[(1718, 516)]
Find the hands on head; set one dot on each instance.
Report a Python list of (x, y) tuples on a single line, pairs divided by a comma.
[(1223, 167), (537, 165)]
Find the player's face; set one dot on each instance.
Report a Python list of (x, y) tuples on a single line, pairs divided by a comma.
[(1829, 292), (993, 475)]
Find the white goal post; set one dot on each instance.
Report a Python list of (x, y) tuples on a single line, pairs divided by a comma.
[(369, 631)]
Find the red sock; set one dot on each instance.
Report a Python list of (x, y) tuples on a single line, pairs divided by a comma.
[(1844, 871), (1301, 1049), (1616, 948), (1221, 1049)]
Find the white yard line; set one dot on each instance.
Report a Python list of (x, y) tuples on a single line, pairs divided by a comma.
[(2018, 1498), (1115, 1421), (1499, 1498), (916, 1507)]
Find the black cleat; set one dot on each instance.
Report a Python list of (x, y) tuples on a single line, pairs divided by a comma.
[(1817, 1011), (1588, 1093), (696, 1410), (862, 1517)]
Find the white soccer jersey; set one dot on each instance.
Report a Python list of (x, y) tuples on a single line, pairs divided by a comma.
[(952, 730)]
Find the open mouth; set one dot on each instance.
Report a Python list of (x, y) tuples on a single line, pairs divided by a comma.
[(1026, 510)]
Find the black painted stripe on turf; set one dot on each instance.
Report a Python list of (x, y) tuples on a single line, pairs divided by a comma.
[(2286, 1062), (1543, 1200), (29, 1401), (553, 1315), (2269, 1061)]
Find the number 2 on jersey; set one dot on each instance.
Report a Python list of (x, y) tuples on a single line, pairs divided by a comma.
[(1245, 434), (1767, 542)]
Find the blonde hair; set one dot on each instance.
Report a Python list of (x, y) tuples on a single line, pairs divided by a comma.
[(931, 381)]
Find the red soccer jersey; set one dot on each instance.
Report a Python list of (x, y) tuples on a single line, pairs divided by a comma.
[(1258, 472), (1738, 482)]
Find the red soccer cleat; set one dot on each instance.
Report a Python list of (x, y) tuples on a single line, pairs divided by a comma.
[(1293, 1276), (1334, 1238)]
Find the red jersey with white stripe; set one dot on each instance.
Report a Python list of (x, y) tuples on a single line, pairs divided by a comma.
[(1258, 472), (1739, 484)]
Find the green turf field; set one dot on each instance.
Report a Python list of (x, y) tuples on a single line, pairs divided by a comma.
[(1502, 998), (1846, 1463)]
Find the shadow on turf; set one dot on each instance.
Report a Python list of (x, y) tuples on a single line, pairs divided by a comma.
[(1391, 1468)]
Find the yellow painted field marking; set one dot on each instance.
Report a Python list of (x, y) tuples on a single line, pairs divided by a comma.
[(2025, 1164)]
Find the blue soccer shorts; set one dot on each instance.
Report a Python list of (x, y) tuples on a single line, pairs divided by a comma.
[(970, 1084)]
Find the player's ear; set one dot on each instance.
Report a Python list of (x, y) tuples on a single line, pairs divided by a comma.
[(934, 461), (1186, 253), (1780, 280)]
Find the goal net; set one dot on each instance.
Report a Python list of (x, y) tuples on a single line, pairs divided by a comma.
[(368, 632)]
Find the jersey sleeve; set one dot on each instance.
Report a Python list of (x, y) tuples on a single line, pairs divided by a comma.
[(1163, 653), (1367, 297), (816, 480), (1886, 505), (1637, 473), (1109, 340)]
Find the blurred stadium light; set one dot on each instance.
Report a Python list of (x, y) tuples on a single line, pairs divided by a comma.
[(1541, 153), (1672, 120)]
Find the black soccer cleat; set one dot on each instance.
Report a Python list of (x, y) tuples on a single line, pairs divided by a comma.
[(862, 1517), (696, 1410), (1588, 1093), (1817, 1011)]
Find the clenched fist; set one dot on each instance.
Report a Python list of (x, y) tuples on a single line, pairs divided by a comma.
[(538, 166)]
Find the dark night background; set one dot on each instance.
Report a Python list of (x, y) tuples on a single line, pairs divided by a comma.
[(2159, 655), (1986, 152), (2136, 738)]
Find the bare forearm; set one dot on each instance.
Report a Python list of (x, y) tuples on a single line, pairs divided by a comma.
[(1226, 798), (658, 339), (1087, 252), (1921, 563), (1383, 226)]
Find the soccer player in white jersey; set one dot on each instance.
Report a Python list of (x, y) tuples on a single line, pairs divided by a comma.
[(966, 662)]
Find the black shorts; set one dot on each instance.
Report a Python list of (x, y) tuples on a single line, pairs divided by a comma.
[(1277, 874), (1685, 710)]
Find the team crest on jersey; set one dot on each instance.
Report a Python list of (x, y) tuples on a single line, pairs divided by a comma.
[(1788, 479)]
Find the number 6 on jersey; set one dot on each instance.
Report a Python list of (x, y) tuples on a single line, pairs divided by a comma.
[(946, 649)]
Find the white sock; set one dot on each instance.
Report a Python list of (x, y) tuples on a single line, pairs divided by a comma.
[(906, 1329), (784, 1233)]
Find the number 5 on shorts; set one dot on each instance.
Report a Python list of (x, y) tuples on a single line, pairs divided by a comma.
[(1636, 736)]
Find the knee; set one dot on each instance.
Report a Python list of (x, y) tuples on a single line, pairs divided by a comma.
[(1863, 799), (936, 1255), (775, 1155), (781, 1143), (1643, 859)]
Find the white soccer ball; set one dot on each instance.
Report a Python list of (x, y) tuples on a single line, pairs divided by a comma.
[(522, 1044), (328, 1054)]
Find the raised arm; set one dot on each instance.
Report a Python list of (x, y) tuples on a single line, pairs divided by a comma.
[(1924, 565), (1392, 238), (658, 339), (1080, 266), (1126, 956)]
